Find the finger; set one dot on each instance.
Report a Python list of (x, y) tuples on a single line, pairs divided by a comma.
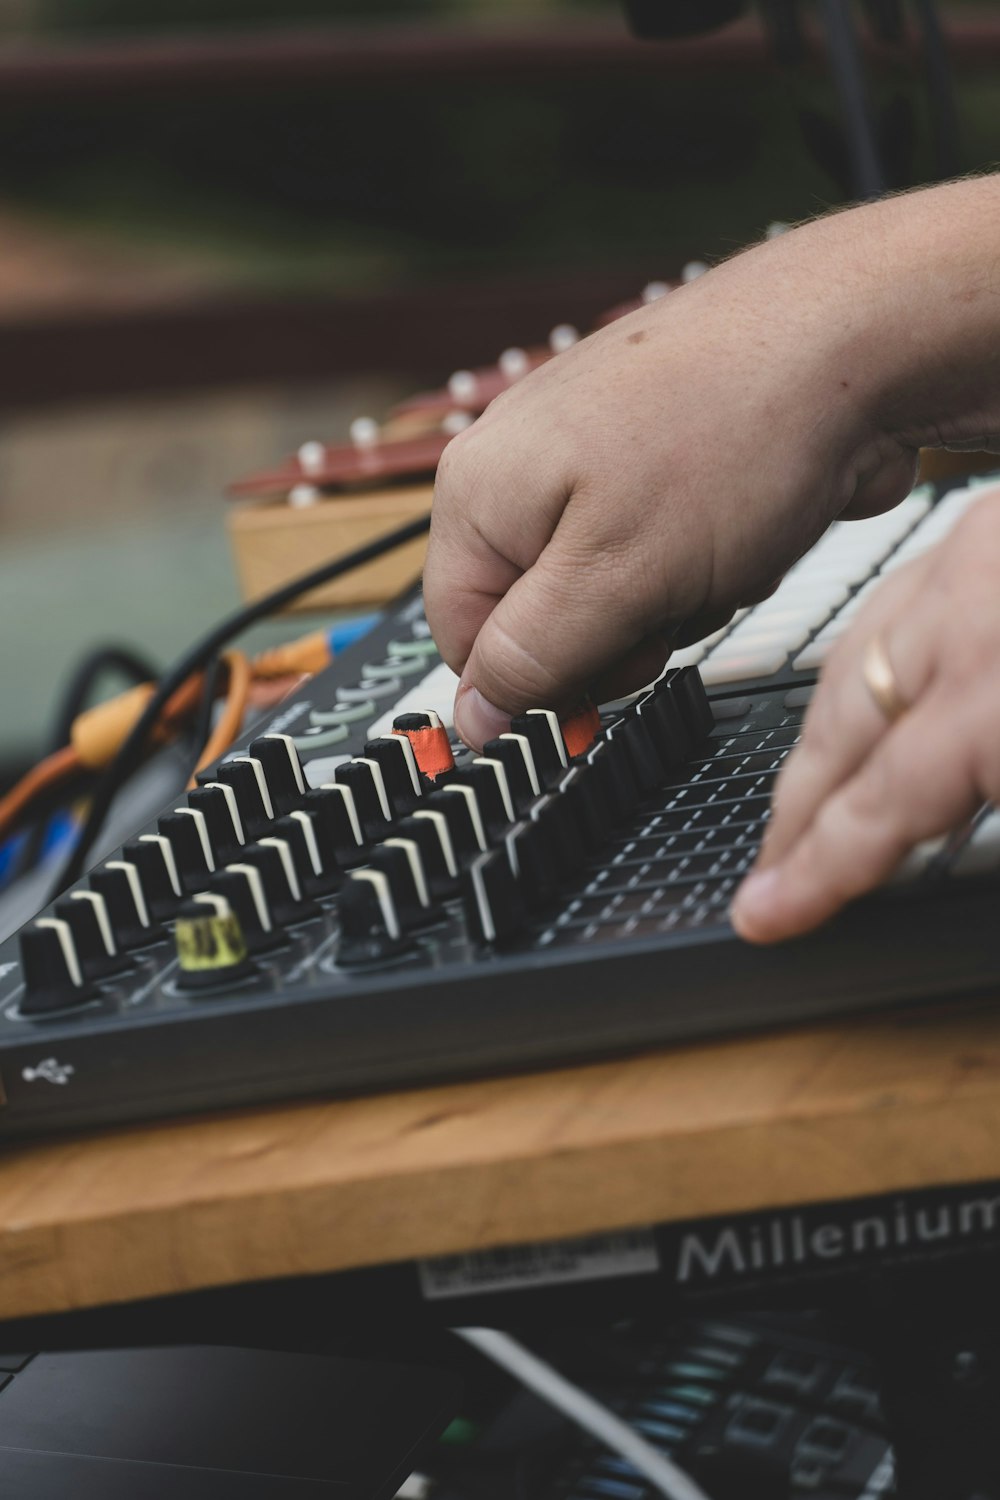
[(480, 541), (559, 627), (844, 722), (641, 666), (918, 782)]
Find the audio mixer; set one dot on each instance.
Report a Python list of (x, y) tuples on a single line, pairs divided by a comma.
[(351, 901)]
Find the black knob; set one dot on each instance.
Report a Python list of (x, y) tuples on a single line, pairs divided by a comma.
[(493, 904), (187, 831), (685, 684), (119, 882), (153, 856), (488, 780), (616, 777), (370, 929), (317, 869), (53, 977), (631, 733), (554, 818), (514, 754), (429, 831), (211, 947), (246, 777), (661, 712), (217, 801), (533, 862), (273, 858), (364, 777), (338, 826), (540, 728), (394, 757), (400, 861), (88, 919), (460, 806), (242, 886), (591, 814), (286, 782)]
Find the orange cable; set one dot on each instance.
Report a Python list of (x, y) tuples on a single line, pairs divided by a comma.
[(231, 718), (59, 766)]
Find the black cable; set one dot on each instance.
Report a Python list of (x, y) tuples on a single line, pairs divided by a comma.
[(940, 92), (194, 660), (202, 726), (73, 699), (845, 61)]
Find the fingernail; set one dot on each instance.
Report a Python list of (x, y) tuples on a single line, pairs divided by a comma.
[(752, 908), (477, 720)]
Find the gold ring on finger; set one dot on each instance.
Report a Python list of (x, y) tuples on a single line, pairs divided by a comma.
[(880, 680)]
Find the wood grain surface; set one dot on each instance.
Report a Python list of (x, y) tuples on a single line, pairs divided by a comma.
[(869, 1106)]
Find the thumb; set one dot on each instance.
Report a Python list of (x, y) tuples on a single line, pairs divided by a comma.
[(560, 625)]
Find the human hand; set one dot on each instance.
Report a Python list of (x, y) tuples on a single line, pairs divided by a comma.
[(862, 789), (633, 492)]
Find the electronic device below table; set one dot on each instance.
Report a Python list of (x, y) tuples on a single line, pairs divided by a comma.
[(338, 907)]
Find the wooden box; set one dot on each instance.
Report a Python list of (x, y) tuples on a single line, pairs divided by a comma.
[(274, 542)]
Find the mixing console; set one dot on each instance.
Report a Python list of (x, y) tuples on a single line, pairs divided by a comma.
[(349, 901)]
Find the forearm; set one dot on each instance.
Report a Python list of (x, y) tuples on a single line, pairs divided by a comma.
[(915, 280)]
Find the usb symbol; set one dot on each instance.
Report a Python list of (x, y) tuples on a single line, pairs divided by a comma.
[(50, 1070)]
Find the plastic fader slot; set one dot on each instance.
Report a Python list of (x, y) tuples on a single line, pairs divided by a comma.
[(760, 640)]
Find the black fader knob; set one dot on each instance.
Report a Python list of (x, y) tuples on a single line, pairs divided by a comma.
[(246, 777), (554, 818), (53, 977), (211, 947), (400, 861), (217, 802), (370, 929), (243, 888), (488, 780), (287, 902), (540, 728), (394, 756), (187, 831), (661, 712), (686, 686), (283, 772), (631, 733), (460, 806), (119, 882), (533, 863), (430, 832), (371, 799), (153, 856), (513, 752), (492, 900), (87, 917), (338, 825), (315, 863), (613, 766), (582, 794)]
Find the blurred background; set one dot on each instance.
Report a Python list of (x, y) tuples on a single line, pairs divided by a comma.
[(230, 226)]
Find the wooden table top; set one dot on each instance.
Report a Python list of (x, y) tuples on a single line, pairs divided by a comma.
[(868, 1106)]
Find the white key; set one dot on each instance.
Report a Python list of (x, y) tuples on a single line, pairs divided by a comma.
[(762, 662)]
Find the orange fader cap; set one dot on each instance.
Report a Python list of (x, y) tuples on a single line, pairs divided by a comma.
[(429, 741), (580, 728)]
